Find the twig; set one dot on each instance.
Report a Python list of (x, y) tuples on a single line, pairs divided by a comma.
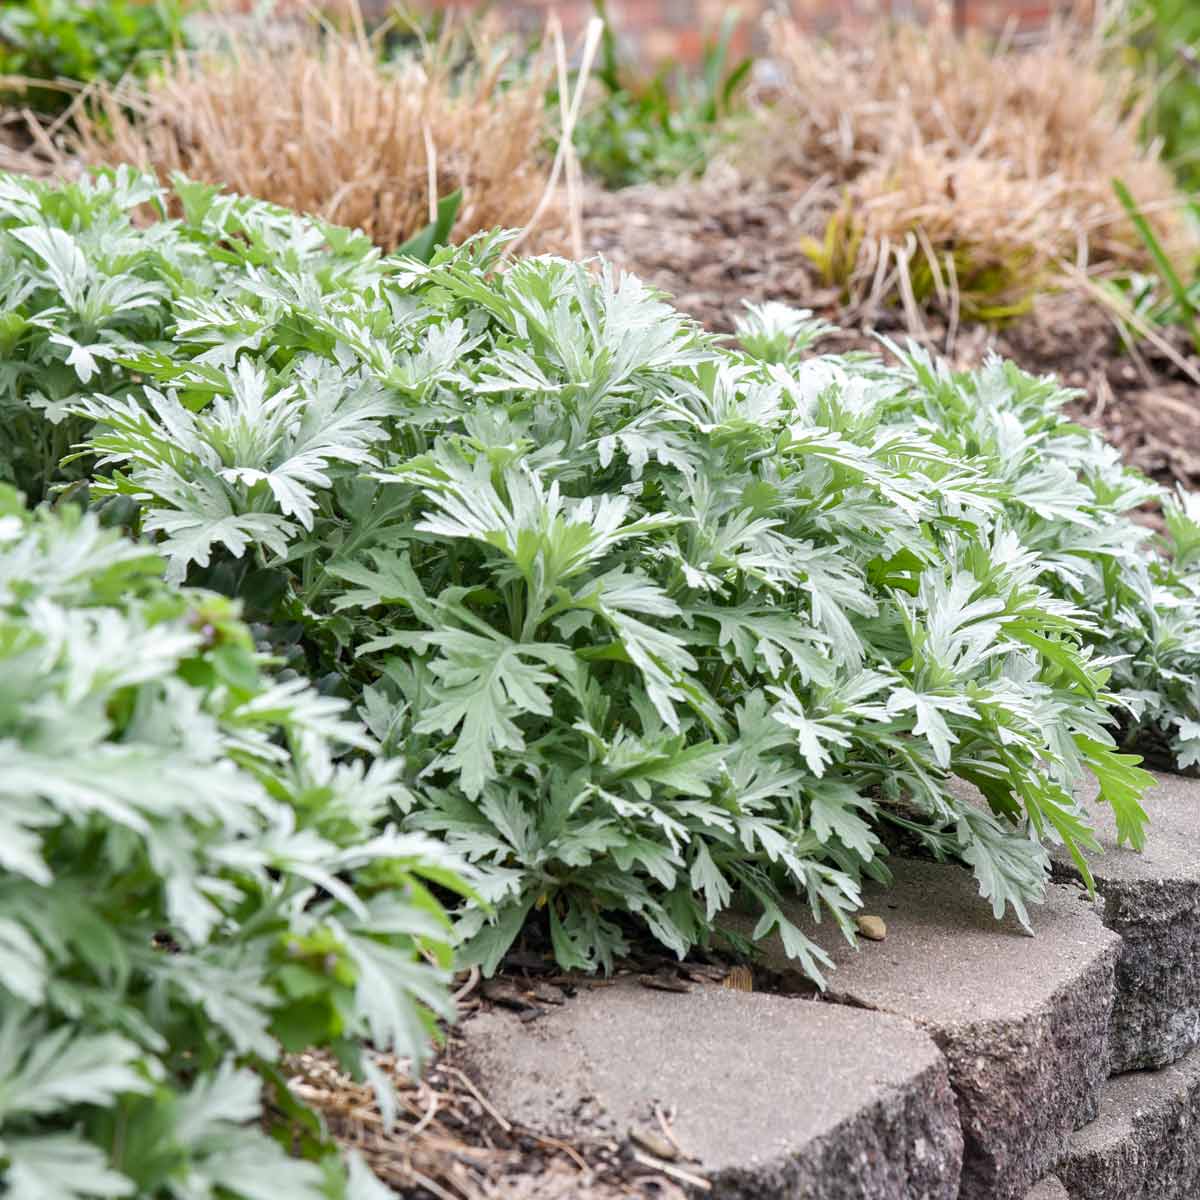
[(570, 116), (664, 1123), (1127, 313), (471, 984), (505, 1125), (570, 159), (696, 1181), (566, 1149), (427, 1183), (427, 1119)]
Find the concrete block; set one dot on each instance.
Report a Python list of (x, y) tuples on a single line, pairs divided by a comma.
[(775, 1097), (1021, 1020)]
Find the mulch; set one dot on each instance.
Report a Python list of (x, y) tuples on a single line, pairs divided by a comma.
[(718, 242)]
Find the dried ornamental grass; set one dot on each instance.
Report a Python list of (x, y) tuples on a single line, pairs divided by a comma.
[(957, 170), (330, 131)]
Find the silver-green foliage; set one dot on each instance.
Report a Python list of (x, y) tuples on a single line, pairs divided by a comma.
[(83, 291), (650, 624), (189, 884), (1070, 501)]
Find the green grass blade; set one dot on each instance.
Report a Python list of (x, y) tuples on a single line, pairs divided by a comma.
[(1166, 270)]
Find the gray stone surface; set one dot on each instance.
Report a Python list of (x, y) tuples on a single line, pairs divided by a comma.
[(1051, 1188), (775, 1097), (1152, 899), (1145, 1145), (1020, 1019)]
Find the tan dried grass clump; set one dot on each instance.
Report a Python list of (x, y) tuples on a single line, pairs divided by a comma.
[(321, 126), (959, 170), (16, 155)]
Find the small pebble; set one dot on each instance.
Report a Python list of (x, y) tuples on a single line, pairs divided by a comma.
[(871, 927)]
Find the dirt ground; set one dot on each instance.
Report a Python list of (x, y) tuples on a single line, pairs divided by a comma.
[(715, 244)]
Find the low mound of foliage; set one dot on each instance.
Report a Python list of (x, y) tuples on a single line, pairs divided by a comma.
[(646, 625), (189, 885)]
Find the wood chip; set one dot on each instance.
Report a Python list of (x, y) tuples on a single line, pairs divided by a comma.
[(664, 983), (654, 1143), (506, 993), (740, 979)]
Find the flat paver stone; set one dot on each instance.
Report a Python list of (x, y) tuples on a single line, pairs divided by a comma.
[(1145, 1144), (775, 1097), (1152, 899), (1021, 1020)]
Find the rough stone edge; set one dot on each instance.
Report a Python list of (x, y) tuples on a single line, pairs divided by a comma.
[(1050, 1188), (1145, 1145), (1004, 1168), (902, 1142), (1156, 1016), (839, 1165)]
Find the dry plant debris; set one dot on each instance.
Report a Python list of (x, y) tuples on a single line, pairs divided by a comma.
[(447, 1141), (953, 173), (15, 155), (321, 126)]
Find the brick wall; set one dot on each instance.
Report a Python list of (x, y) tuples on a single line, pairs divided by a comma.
[(655, 30)]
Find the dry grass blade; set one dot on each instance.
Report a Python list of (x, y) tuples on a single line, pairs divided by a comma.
[(998, 161), (321, 126), (690, 1178), (570, 105), (1126, 314), (441, 1145), (484, 1104), (17, 156)]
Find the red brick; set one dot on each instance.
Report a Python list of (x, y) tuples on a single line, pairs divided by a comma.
[(664, 29)]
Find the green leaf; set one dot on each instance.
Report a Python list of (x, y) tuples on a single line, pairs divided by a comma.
[(492, 942), (423, 243), (1010, 869), (1122, 784), (61, 1068), (59, 1167), (835, 809)]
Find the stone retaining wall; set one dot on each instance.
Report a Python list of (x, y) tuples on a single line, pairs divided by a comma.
[(954, 1058)]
